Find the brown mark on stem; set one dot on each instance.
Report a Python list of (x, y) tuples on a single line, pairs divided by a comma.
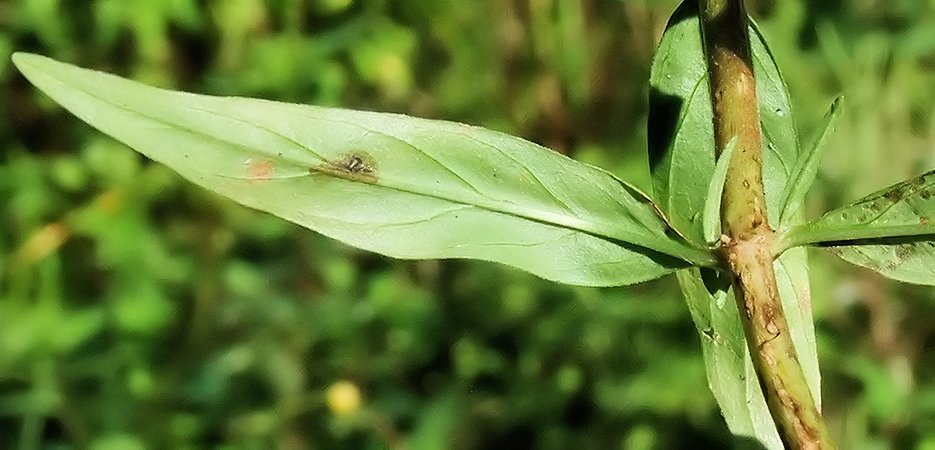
[(749, 238)]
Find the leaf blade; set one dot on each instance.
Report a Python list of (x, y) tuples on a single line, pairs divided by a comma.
[(729, 367), (805, 171), (890, 231), (404, 187), (711, 219)]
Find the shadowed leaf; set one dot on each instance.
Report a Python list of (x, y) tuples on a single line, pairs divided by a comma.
[(680, 127)]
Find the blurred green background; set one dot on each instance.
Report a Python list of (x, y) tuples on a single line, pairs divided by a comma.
[(138, 311)]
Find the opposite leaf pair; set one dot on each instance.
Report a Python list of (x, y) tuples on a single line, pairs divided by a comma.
[(415, 188)]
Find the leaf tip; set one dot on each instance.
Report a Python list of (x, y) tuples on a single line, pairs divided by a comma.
[(21, 59), (837, 104), (30, 64)]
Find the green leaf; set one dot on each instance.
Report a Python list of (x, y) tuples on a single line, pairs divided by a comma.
[(803, 175), (712, 207), (396, 185), (891, 231), (683, 164), (730, 372), (681, 137), (729, 367)]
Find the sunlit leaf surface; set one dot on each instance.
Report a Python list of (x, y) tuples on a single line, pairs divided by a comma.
[(891, 231), (400, 186), (803, 175)]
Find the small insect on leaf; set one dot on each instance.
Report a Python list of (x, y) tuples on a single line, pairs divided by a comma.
[(353, 166)]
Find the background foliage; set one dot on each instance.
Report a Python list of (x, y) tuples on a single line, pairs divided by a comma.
[(138, 311)]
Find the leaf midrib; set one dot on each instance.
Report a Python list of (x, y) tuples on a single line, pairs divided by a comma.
[(668, 247)]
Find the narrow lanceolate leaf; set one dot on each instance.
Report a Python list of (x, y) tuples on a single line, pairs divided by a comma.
[(803, 175), (400, 186), (731, 375), (683, 164), (712, 207), (891, 231)]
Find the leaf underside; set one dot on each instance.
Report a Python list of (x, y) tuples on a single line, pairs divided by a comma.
[(730, 372), (396, 185), (683, 164), (902, 217)]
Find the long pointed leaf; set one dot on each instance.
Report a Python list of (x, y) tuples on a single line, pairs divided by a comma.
[(729, 367), (712, 207), (803, 175), (400, 186), (891, 231)]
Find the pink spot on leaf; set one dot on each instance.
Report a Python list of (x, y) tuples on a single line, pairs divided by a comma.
[(259, 170)]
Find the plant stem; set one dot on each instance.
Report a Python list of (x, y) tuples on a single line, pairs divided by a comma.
[(748, 236), (813, 235)]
